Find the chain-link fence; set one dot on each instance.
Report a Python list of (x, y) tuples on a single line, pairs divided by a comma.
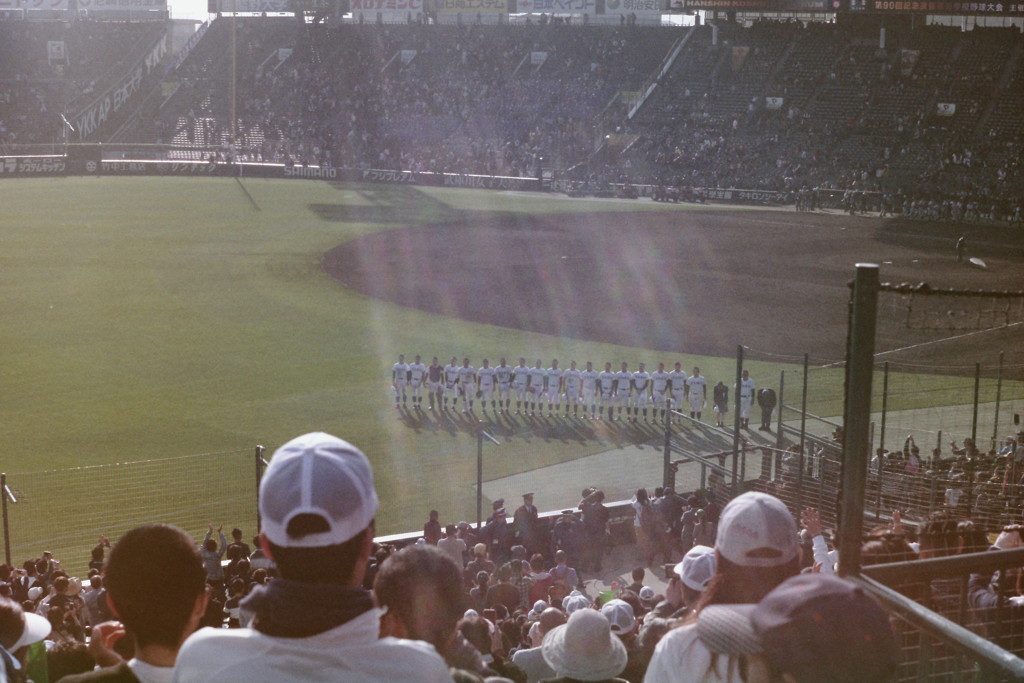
[(66, 511)]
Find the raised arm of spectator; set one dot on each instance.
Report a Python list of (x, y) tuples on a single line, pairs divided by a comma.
[(811, 521)]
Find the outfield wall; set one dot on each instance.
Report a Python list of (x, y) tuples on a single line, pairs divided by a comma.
[(61, 165)]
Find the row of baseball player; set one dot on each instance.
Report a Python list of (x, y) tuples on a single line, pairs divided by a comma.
[(535, 387)]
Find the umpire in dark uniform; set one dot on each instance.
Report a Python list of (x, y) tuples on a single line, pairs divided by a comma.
[(767, 401)]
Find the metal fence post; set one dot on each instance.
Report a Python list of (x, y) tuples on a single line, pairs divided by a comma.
[(857, 414), (885, 406), (7, 531), (999, 400), (259, 477), (736, 417), (479, 476), (803, 404), (667, 477), (778, 436), (974, 417)]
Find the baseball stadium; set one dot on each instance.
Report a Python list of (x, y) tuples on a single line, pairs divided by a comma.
[(220, 235)]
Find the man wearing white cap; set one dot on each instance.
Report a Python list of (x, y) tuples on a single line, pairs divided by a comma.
[(315, 623), (18, 630), (756, 549)]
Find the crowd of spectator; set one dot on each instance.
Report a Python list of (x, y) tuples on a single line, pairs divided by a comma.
[(779, 105), (36, 87), (520, 598)]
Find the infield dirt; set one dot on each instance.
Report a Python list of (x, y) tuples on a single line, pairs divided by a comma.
[(697, 282)]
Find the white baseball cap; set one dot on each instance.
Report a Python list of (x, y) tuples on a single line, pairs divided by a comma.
[(619, 614), (36, 628), (757, 530), (322, 475), (697, 567)]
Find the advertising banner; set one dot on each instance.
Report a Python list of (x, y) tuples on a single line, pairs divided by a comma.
[(634, 7), (249, 6), (105, 5), (92, 118), (474, 6), (387, 5), (557, 6), (11, 167), (945, 108)]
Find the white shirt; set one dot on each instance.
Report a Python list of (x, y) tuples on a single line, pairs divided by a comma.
[(572, 380), (400, 372), (682, 656), (466, 375), (677, 380), (416, 372), (486, 376), (147, 673), (696, 384), (607, 379), (537, 377), (350, 653), (451, 374), (624, 377), (589, 379), (747, 388), (640, 380), (660, 379), (554, 376), (519, 375), (503, 374)]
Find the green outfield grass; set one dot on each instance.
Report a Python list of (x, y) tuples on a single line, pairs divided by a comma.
[(149, 318)]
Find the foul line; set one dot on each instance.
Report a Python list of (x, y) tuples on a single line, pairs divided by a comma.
[(936, 341)]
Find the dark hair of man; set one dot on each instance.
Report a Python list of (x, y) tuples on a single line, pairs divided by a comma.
[(236, 534), (154, 575), (331, 564), (422, 586), (889, 547), (477, 632), (939, 536), (12, 623), (735, 584), (638, 573)]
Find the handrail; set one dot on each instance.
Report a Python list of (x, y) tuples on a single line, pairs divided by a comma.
[(923, 570), (948, 631)]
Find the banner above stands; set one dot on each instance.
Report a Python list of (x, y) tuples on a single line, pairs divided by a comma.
[(272, 6)]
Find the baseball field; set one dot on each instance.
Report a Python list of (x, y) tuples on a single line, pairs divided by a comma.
[(147, 319)]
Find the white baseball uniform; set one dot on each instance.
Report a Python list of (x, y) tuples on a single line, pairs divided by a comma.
[(746, 397), (641, 380), (451, 382), (677, 388), (417, 374), (485, 380), (589, 378), (606, 379), (624, 378), (659, 386), (572, 385), (697, 385), (399, 378), (503, 375), (554, 390)]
